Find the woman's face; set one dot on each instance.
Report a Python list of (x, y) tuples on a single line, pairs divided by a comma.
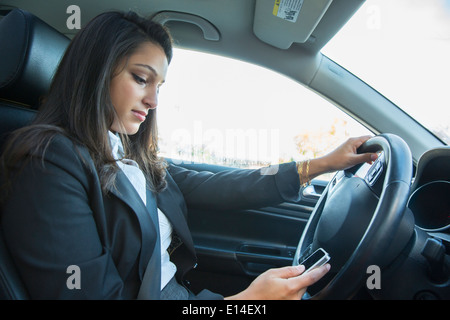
[(134, 91)]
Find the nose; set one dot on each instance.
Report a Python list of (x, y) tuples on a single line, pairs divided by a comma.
[(150, 99)]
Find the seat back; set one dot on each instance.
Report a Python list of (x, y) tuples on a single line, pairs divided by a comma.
[(30, 51)]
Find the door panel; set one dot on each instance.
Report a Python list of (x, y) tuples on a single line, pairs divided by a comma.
[(236, 246), (233, 247)]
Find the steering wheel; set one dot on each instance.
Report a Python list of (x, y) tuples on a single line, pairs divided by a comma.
[(360, 218)]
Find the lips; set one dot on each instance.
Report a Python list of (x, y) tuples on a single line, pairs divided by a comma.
[(139, 114)]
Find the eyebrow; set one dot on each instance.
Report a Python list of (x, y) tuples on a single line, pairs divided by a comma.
[(147, 67)]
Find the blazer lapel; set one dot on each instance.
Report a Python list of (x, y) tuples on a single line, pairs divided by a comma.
[(146, 215), (151, 283)]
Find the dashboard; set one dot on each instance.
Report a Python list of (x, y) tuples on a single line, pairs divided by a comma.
[(426, 257), (430, 204), (429, 200), (430, 193)]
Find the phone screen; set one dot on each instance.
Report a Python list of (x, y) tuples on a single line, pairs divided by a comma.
[(316, 259)]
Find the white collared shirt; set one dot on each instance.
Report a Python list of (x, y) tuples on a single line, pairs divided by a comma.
[(137, 179)]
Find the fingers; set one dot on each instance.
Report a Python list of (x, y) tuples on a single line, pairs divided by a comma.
[(314, 275), (365, 157), (369, 156), (288, 272), (298, 283), (356, 142), (362, 157), (360, 140)]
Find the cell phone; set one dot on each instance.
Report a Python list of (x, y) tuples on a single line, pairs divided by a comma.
[(316, 259)]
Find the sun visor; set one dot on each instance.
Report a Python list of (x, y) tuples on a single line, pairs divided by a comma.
[(281, 23)]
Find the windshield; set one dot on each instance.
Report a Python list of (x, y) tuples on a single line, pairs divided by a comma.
[(402, 49)]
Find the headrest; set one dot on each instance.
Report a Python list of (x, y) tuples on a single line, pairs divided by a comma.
[(30, 51)]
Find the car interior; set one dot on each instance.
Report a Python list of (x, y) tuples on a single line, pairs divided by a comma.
[(26, 76), (407, 232)]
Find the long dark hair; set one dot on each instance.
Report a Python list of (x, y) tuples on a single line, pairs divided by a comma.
[(79, 105)]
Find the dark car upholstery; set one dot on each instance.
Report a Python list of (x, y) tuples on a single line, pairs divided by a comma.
[(30, 53)]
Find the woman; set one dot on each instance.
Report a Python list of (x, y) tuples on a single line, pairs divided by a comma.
[(85, 187)]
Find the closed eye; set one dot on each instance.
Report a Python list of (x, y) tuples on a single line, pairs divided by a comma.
[(139, 80)]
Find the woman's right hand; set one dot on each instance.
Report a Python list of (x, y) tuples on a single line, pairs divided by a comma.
[(286, 283)]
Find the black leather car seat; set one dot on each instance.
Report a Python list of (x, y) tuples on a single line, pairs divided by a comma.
[(30, 51)]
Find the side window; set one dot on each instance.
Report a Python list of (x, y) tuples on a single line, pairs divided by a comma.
[(222, 111)]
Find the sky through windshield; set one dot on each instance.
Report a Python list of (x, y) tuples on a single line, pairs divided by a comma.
[(401, 48)]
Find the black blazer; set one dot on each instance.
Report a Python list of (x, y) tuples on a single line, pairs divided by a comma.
[(57, 216)]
